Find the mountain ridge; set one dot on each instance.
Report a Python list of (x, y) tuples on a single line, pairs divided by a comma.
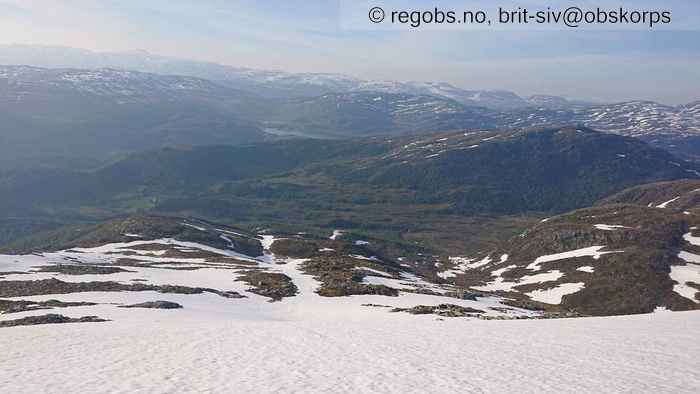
[(261, 81)]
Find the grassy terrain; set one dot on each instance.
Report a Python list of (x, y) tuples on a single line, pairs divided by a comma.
[(452, 193)]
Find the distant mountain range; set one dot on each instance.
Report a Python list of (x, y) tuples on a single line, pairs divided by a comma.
[(275, 84), (372, 113), (142, 101), (94, 114), (676, 128)]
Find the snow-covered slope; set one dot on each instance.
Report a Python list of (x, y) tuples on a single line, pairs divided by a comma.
[(308, 343), (642, 118), (164, 262), (371, 113), (615, 258), (178, 354), (645, 119), (494, 99)]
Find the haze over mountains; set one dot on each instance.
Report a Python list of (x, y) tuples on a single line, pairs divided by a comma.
[(266, 83), (151, 101)]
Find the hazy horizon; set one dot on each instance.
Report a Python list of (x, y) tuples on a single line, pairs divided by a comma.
[(609, 66)]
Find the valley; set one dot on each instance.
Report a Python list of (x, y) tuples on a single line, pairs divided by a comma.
[(185, 226)]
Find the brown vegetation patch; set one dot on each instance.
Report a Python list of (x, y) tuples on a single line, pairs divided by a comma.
[(339, 277), (69, 269), (49, 319), (444, 310), (12, 306), (155, 305), (54, 286), (274, 285)]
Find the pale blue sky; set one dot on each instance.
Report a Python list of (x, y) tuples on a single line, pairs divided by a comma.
[(310, 35)]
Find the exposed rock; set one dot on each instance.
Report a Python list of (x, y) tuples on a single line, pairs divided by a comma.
[(274, 285), (69, 269), (155, 305), (12, 306), (49, 319), (627, 251), (463, 295), (55, 286), (339, 277), (445, 310), (295, 248), (14, 273), (148, 227)]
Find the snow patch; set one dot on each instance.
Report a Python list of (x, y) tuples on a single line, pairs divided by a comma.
[(689, 257), (682, 274), (592, 251), (554, 295), (371, 258), (501, 285), (372, 270), (267, 241), (665, 204), (336, 234), (195, 227), (609, 227), (464, 264), (691, 239)]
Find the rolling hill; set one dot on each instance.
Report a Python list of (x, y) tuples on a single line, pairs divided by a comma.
[(397, 184), (375, 113), (78, 116), (633, 252), (517, 171)]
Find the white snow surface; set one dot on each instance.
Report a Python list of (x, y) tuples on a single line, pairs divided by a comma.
[(267, 241), (226, 354), (464, 264), (665, 204), (373, 271), (592, 251), (689, 257), (609, 227), (682, 274), (553, 295), (691, 239), (200, 228), (313, 344), (132, 235), (499, 284)]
